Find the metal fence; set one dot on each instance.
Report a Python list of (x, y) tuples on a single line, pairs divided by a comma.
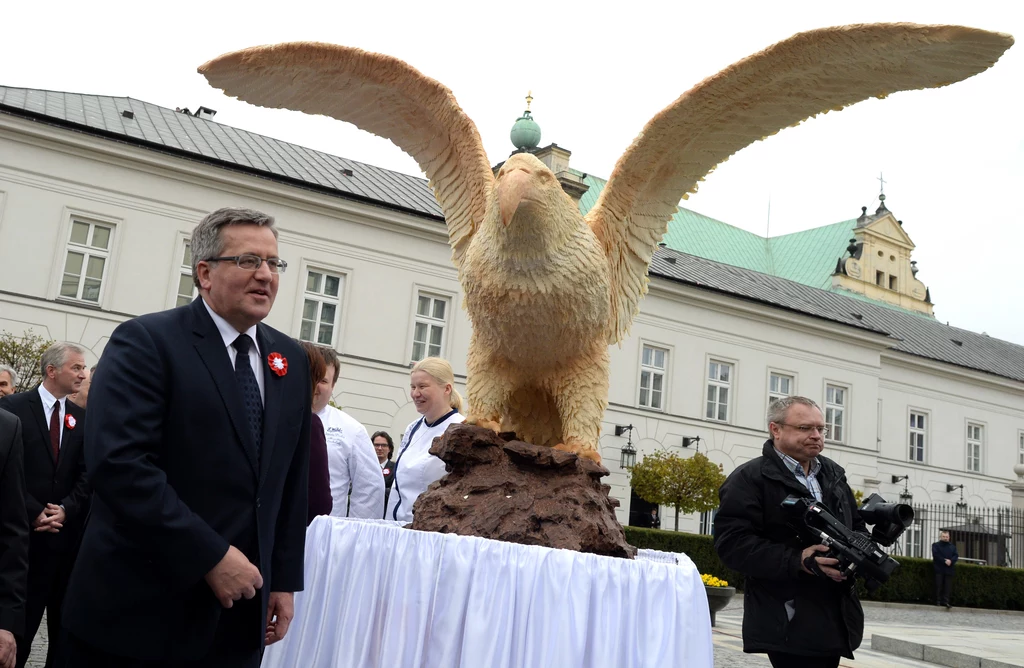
[(987, 536)]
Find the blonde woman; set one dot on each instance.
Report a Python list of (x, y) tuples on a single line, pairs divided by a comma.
[(432, 389)]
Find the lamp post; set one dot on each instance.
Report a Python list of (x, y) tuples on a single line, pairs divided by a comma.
[(961, 506), (627, 457)]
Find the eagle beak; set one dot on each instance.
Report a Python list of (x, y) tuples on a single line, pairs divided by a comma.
[(514, 186)]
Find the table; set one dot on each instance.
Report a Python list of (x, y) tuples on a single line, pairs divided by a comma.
[(380, 595)]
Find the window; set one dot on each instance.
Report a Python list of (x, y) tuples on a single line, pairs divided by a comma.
[(707, 522), (719, 383), (779, 386), (429, 329), (1020, 448), (918, 433), (835, 412), (880, 278), (186, 287), (321, 303), (86, 261), (975, 438), (913, 538), (652, 377), (892, 283)]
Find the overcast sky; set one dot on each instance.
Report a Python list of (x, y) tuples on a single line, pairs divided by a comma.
[(953, 158)]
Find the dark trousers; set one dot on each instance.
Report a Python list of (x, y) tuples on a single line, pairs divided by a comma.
[(783, 660), (943, 588), (48, 574), (235, 645)]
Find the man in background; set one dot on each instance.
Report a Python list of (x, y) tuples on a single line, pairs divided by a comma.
[(8, 380), (350, 454), (944, 557)]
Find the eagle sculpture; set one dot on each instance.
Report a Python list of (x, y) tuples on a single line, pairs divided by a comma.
[(546, 288)]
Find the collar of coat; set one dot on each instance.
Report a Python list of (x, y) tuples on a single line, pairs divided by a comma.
[(773, 467)]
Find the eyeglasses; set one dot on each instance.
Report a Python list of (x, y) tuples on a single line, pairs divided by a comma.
[(253, 262), (807, 428), (380, 445)]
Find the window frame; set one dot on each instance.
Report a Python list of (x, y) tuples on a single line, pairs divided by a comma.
[(448, 326), (179, 269), (924, 432), (69, 217), (668, 350), (1020, 447), (320, 298), (710, 359), (980, 442), (305, 265), (846, 388), (774, 395)]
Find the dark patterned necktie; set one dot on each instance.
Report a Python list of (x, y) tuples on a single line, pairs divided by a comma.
[(55, 431), (250, 389)]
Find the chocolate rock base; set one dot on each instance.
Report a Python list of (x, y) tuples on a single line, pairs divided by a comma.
[(501, 488)]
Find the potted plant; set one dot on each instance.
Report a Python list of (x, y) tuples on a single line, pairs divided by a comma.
[(719, 593)]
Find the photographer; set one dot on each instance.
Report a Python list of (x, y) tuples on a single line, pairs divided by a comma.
[(797, 607)]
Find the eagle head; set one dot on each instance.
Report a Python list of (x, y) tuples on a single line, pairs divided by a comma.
[(529, 205)]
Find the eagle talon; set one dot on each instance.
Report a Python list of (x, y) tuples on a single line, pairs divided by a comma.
[(486, 424)]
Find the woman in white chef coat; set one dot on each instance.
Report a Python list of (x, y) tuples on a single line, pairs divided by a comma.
[(432, 389)]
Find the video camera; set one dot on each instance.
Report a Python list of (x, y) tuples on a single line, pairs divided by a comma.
[(857, 554)]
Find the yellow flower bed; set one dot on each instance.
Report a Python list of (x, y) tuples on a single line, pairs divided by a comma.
[(712, 581)]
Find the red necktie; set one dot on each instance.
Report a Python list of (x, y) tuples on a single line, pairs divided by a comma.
[(55, 430)]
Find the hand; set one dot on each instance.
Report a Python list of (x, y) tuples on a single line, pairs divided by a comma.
[(824, 563), (948, 562), (233, 577), (51, 520), (8, 649), (282, 606)]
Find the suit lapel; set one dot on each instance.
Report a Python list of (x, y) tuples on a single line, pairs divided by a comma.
[(272, 389), (210, 346), (69, 438), (36, 407)]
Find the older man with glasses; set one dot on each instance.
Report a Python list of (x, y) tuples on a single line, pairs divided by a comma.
[(797, 607)]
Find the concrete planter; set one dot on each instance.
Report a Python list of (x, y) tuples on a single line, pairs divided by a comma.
[(718, 598)]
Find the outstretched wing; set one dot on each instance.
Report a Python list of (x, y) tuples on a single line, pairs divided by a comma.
[(379, 94), (811, 72)]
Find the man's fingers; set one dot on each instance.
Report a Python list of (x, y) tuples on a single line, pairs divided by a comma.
[(281, 628), (249, 592), (258, 580)]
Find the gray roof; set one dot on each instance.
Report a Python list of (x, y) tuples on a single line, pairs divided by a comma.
[(196, 138), (199, 138), (913, 333)]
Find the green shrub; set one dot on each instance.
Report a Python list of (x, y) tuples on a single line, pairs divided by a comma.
[(989, 587), (701, 549)]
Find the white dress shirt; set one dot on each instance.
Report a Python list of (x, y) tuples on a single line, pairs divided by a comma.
[(353, 465), (229, 334), (49, 401)]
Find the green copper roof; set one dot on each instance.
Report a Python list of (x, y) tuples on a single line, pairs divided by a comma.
[(807, 257)]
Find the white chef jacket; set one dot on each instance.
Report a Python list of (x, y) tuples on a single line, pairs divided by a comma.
[(353, 466), (416, 468)]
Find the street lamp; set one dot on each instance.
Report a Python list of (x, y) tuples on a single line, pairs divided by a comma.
[(689, 440), (961, 506), (627, 457), (905, 495)]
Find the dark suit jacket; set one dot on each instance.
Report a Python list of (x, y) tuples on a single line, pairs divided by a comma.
[(320, 500), (389, 478), (176, 480), (62, 482), (14, 527)]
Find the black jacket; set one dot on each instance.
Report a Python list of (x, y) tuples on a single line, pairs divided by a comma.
[(62, 482), (784, 608), (14, 528), (942, 551), (177, 480)]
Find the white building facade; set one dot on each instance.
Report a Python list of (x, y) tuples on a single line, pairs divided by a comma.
[(94, 229)]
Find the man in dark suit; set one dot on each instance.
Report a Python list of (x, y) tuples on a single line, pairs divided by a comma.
[(198, 451), (57, 494), (13, 539)]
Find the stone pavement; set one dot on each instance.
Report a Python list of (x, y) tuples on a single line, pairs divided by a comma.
[(963, 638)]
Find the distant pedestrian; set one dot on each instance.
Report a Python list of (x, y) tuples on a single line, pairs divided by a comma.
[(944, 556)]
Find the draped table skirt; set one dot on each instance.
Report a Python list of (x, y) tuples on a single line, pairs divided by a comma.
[(380, 595)]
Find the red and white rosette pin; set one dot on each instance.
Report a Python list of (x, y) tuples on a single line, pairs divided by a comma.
[(278, 364)]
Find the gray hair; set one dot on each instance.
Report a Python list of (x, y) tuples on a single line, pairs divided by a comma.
[(57, 355), (11, 372), (206, 238), (778, 408)]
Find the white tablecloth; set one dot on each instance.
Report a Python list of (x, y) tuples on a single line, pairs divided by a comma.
[(380, 595)]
